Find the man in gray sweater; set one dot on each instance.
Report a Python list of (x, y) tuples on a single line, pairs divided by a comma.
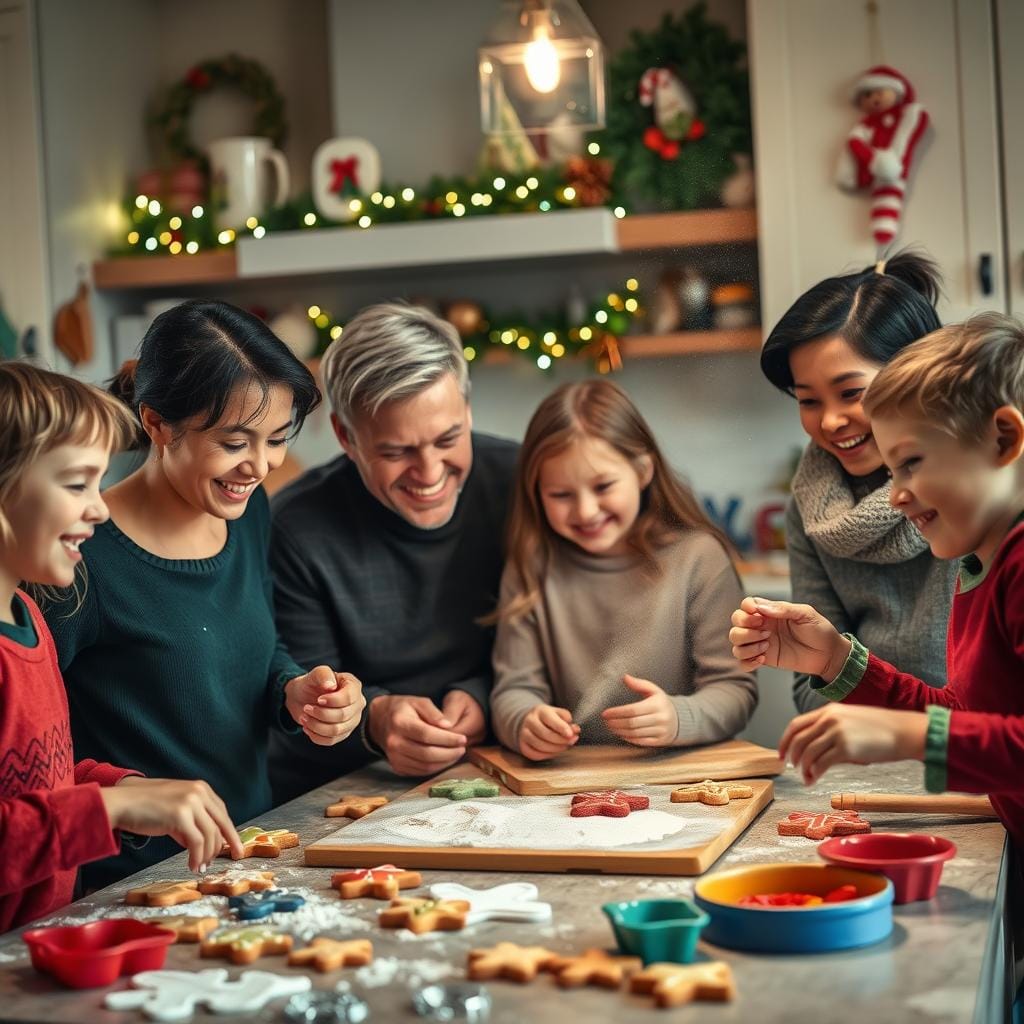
[(385, 558)]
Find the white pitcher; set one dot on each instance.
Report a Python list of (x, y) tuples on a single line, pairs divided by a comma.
[(239, 186)]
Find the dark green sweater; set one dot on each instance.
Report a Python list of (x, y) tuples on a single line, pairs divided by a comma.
[(173, 667)]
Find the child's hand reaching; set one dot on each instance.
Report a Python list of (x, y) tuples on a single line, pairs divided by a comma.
[(651, 722), (547, 731), (852, 734), (327, 704), (784, 635), (189, 812)]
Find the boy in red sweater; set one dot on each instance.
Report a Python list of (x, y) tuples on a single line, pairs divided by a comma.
[(947, 414), (55, 439)]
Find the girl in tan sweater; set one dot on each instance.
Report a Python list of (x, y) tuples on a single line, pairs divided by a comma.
[(614, 593)]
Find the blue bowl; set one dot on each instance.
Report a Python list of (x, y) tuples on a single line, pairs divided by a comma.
[(657, 930), (810, 929)]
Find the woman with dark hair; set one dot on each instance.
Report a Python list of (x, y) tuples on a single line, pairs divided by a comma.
[(168, 648), (852, 556)]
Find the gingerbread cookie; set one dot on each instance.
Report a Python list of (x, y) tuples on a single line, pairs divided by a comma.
[(330, 954), (355, 806), (507, 960), (244, 945), (463, 789), (594, 967), (259, 842), (163, 894), (716, 794), (186, 928), (676, 984), (609, 803), (816, 825), (382, 883), (251, 906), (235, 881), (419, 915)]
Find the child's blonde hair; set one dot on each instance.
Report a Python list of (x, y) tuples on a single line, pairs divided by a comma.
[(40, 410), (598, 409), (955, 377)]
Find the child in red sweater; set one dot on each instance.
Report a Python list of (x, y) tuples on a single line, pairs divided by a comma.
[(947, 414), (56, 434)]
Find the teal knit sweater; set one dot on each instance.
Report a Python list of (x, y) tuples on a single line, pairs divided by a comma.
[(174, 668)]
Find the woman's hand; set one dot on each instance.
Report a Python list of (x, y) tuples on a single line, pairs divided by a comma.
[(784, 635), (187, 811), (547, 731), (327, 704), (651, 722)]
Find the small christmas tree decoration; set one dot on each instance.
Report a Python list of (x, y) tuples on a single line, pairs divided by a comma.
[(880, 149)]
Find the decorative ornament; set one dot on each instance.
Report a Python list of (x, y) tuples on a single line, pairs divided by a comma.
[(680, 161), (297, 331), (880, 149), (738, 189), (675, 112), (591, 178), (180, 189), (682, 301), (466, 317), (248, 77), (734, 306), (344, 170)]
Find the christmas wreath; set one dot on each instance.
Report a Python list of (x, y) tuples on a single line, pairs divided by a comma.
[(232, 72), (678, 110)]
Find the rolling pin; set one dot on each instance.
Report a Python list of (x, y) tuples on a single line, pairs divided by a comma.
[(977, 806)]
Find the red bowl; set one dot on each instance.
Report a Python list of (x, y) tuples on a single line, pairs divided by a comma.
[(911, 860), (95, 954)]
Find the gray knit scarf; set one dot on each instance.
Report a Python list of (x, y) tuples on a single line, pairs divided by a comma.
[(868, 530)]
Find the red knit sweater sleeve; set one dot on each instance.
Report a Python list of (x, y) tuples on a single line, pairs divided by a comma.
[(45, 831), (101, 773), (884, 686)]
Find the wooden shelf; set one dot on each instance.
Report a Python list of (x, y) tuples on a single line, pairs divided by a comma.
[(655, 346), (690, 343), (479, 239), (158, 271), (689, 227)]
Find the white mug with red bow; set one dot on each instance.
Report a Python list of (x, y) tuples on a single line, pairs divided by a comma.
[(344, 170)]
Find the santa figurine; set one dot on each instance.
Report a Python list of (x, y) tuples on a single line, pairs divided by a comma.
[(675, 112), (880, 149)]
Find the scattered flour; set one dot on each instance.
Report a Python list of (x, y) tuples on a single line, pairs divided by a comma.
[(14, 955), (386, 970)]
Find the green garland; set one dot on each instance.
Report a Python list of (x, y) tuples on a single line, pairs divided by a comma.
[(246, 76), (712, 65)]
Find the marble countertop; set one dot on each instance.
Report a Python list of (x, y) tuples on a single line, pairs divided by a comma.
[(942, 962)]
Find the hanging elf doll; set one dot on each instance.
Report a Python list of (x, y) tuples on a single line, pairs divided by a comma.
[(675, 112), (880, 149)]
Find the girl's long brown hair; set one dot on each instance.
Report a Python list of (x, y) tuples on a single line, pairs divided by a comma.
[(600, 409)]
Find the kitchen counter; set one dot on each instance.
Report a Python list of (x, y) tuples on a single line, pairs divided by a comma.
[(945, 960)]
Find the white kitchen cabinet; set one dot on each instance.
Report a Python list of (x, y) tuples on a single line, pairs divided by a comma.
[(805, 56)]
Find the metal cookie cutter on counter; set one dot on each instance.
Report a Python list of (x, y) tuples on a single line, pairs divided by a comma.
[(457, 1000)]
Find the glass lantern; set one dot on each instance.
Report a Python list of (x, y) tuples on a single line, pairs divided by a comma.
[(541, 67)]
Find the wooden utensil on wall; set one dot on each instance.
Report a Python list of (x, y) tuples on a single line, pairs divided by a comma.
[(72, 327)]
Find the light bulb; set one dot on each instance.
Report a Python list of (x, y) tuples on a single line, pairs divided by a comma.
[(541, 62)]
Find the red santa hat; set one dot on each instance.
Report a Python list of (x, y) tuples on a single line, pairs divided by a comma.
[(881, 76)]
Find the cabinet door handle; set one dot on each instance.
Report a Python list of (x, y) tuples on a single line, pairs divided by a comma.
[(985, 273)]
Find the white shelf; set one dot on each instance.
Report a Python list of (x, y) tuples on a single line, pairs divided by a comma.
[(476, 239)]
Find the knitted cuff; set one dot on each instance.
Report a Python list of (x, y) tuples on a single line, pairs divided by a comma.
[(936, 748), (852, 672)]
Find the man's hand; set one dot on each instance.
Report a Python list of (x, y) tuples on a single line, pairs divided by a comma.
[(784, 635), (547, 731), (327, 704), (416, 736), (466, 716), (650, 722), (852, 734), (189, 812)]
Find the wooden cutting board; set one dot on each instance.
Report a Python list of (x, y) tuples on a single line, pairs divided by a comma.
[(343, 849), (605, 767)]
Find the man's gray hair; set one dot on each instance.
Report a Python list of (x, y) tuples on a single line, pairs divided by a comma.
[(390, 352)]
